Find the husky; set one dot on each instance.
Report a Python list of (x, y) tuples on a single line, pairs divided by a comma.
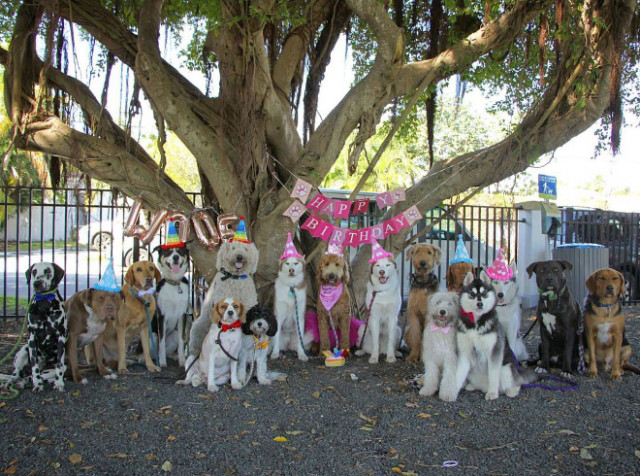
[(509, 314), (485, 362)]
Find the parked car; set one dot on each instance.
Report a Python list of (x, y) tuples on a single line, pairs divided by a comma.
[(104, 236)]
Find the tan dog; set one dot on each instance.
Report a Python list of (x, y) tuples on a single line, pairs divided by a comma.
[(88, 312), (604, 323), (456, 273), (424, 258), (132, 319), (333, 300)]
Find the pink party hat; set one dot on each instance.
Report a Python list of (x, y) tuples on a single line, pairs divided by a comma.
[(290, 250), (377, 252), (334, 249), (499, 270)]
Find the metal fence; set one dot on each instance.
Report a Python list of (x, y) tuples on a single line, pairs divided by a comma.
[(80, 229)]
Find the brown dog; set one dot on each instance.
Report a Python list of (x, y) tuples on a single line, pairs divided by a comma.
[(139, 307), (88, 312), (604, 323), (333, 300), (456, 273), (424, 258)]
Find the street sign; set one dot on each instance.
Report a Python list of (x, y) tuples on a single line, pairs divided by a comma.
[(547, 187)]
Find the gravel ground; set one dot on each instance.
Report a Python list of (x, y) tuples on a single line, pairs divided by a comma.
[(357, 419)]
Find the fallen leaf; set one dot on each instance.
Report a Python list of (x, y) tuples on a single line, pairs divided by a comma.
[(2, 404), (369, 420), (574, 449), (551, 422), (55, 464), (87, 424), (76, 393), (316, 394), (200, 455), (167, 466), (395, 469), (294, 432), (411, 405), (366, 428), (252, 422), (86, 468), (584, 454), (424, 415), (280, 439), (637, 453), (463, 415), (567, 432), (150, 456), (205, 396), (594, 394), (134, 435), (29, 413), (42, 428), (11, 470), (118, 455), (75, 458), (246, 404)]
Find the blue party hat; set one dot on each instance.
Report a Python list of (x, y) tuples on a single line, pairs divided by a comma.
[(108, 280), (461, 253)]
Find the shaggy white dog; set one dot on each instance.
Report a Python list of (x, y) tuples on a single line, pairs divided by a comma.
[(439, 346), (236, 262)]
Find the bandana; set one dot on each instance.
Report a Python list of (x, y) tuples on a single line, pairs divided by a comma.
[(260, 344), (444, 330), (468, 315), (235, 325), (329, 295)]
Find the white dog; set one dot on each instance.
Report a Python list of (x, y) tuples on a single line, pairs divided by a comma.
[(383, 301), (218, 361), (259, 327), (509, 314), (439, 351), (289, 306)]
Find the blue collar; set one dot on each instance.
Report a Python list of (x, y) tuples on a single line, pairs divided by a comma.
[(50, 296), (228, 275)]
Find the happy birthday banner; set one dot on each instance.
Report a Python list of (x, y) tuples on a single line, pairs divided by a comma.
[(335, 208)]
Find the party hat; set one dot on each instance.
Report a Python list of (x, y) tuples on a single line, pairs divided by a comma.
[(241, 234), (499, 269), (378, 252), (461, 255), (290, 250), (108, 280), (173, 240), (334, 249)]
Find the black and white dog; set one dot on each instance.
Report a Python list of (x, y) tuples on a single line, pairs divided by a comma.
[(47, 331), (172, 301), (485, 361)]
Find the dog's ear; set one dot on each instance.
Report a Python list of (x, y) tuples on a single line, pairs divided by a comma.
[(468, 279), (409, 253), (129, 277), (157, 250), (532, 268), (215, 315), (88, 296), (222, 251), (253, 250), (58, 273), (241, 312), (514, 268), (157, 274), (623, 285), (591, 281), (273, 324), (438, 254), (449, 278), (485, 277), (565, 264), (27, 273)]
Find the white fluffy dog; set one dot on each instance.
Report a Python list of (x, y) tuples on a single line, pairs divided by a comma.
[(236, 262), (218, 361), (509, 313), (383, 301), (439, 346), (289, 306)]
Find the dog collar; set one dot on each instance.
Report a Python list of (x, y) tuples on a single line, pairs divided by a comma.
[(228, 275), (416, 283), (50, 296), (260, 344), (234, 325)]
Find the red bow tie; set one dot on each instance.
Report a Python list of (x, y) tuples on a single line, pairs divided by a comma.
[(234, 325), (468, 315)]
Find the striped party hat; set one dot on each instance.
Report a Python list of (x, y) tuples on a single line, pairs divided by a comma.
[(173, 240), (241, 233)]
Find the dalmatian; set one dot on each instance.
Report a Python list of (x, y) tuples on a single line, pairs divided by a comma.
[(47, 331)]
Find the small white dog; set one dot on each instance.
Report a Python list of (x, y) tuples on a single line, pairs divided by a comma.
[(439, 351), (290, 303), (218, 361), (509, 313), (259, 327), (383, 301)]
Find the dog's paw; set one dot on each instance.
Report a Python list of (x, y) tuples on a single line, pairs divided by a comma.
[(236, 385), (111, 376), (391, 359), (427, 390), (153, 368), (512, 392), (58, 385), (567, 375), (181, 361), (303, 357), (616, 375), (183, 382), (373, 359), (541, 370), (413, 358), (84, 381), (491, 396), (447, 396), (212, 388), (196, 381), (592, 374), (38, 388), (123, 370), (265, 381), (359, 353)]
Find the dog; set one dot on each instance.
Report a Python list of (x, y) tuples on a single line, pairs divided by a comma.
[(604, 324), (218, 361), (237, 262), (260, 326), (383, 301), (172, 302), (559, 316), (333, 276), (485, 362), (439, 346), (456, 273), (138, 308), (88, 312), (289, 306), (424, 282), (509, 314), (46, 328)]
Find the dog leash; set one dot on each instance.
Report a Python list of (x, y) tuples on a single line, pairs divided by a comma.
[(14, 392), (368, 315), (219, 342), (571, 385), (292, 291)]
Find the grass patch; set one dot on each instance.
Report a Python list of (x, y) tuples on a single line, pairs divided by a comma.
[(10, 303), (37, 246)]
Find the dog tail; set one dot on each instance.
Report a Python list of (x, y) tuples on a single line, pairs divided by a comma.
[(631, 368)]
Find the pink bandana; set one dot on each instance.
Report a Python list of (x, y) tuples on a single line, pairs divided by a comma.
[(444, 330), (329, 295)]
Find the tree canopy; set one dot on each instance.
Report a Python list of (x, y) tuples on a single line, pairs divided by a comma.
[(560, 65)]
